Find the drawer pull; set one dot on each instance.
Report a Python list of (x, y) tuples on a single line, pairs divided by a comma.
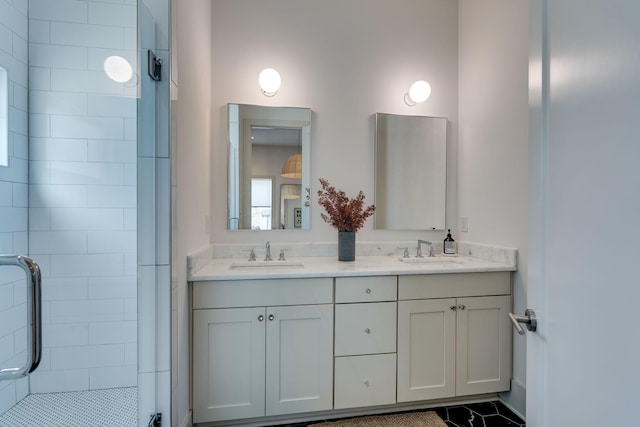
[(368, 291), (260, 318), (368, 331), (271, 317), (366, 383)]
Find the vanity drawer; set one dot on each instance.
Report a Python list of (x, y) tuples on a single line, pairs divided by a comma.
[(365, 328), (426, 286), (365, 381), (262, 292), (366, 289)]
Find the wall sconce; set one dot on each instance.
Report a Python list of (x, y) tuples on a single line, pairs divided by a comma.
[(420, 91), (118, 69), (269, 80)]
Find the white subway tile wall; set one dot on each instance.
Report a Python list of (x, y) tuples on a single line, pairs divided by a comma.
[(82, 193), (14, 198)]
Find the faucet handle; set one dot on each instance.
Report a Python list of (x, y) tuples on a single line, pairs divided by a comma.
[(267, 255), (406, 252), (281, 257), (252, 254)]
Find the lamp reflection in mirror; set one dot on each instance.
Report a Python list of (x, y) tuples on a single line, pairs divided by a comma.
[(270, 81), (292, 168), (289, 191), (419, 92)]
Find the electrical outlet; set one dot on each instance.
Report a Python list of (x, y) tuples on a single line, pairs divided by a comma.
[(464, 223)]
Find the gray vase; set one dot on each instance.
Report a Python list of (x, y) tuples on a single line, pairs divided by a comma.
[(346, 245)]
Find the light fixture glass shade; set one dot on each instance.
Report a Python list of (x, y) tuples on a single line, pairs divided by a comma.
[(289, 191), (270, 81), (118, 69), (420, 91), (293, 167)]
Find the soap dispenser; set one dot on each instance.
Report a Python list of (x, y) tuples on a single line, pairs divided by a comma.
[(449, 245)]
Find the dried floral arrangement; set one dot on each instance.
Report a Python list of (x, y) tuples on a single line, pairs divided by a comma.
[(343, 213)]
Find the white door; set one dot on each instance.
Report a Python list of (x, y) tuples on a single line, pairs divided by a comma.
[(426, 349), (299, 359), (483, 345), (228, 363), (583, 363)]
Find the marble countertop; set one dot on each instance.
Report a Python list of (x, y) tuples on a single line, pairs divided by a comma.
[(305, 267)]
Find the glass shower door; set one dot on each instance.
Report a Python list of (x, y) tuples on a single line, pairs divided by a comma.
[(85, 194)]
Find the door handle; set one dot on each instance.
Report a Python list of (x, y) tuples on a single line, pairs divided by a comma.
[(529, 319), (34, 315)]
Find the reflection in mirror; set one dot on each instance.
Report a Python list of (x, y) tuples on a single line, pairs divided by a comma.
[(290, 206), (268, 159), (411, 172)]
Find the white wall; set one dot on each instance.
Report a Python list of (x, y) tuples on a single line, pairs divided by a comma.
[(192, 20), (14, 198), (346, 61), (493, 138), (82, 193)]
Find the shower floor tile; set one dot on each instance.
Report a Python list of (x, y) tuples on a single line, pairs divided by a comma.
[(100, 408)]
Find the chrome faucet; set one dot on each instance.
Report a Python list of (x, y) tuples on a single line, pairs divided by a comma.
[(419, 249), (405, 254), (252, 254), (282, 257), (267, 256)]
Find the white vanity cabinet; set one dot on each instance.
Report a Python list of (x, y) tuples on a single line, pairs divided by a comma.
[(267, 350), (454, 335), (262, 347), (365, 341)]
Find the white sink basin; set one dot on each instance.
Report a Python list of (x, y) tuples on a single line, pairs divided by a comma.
[(430, 260), (258, 265)]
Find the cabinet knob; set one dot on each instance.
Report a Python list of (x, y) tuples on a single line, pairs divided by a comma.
[(368, 331), (368, 291), (453, 307), (260, 318), (366, 383), (271, 317), (462, 307)]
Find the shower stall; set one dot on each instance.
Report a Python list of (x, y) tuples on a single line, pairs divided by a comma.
[(85, 194)]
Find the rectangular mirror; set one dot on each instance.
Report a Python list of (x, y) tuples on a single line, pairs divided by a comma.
[(410, 172), (268, 165)]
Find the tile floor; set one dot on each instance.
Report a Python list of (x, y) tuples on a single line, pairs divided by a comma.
[(118, 407), (486, 414), (115, 407)]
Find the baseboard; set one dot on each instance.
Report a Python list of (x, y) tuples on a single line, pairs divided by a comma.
[(186, 421), (516, 399)]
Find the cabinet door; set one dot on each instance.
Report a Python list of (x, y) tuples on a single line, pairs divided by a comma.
[(426, 349), (228, 364), (483, 345), (299, 359)]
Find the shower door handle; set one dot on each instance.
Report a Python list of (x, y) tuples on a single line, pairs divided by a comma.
[(34, 315)]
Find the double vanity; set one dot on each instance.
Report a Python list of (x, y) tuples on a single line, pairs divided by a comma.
[(307, 338)]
